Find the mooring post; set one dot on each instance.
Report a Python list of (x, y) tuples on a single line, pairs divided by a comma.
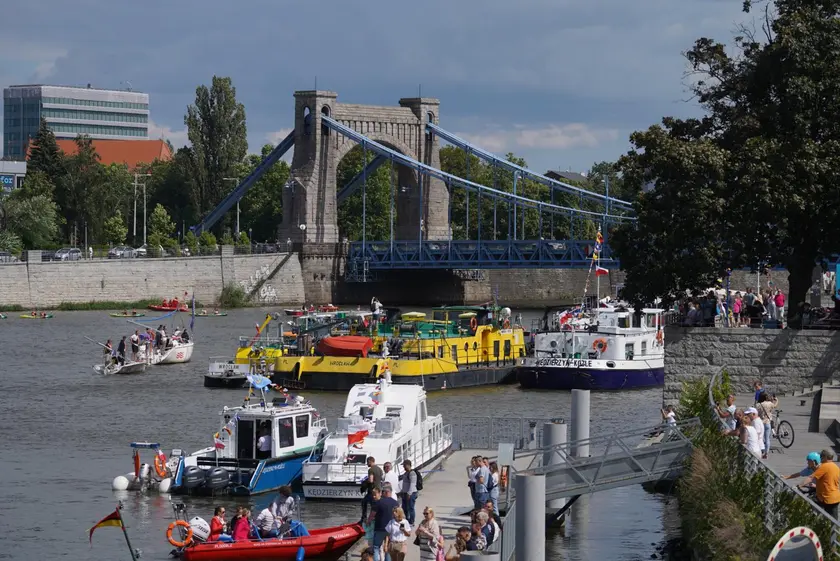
[(554, 438), (580, 422), (530, 517)]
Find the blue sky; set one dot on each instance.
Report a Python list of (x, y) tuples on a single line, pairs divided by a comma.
[(559, 82)]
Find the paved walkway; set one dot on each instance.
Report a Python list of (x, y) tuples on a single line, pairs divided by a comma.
[(797, 411)]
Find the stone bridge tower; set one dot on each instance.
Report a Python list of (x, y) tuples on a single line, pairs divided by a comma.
[(310, 210)]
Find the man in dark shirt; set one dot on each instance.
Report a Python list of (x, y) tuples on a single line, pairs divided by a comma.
[(488, 508), (381, 512), (121, 351), (374, 481)]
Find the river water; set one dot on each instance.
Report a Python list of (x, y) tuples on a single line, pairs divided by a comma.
[(67, 433)]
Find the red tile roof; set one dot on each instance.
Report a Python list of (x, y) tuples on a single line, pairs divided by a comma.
[(128, 152)]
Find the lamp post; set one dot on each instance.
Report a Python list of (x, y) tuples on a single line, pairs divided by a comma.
[(136, 184), (235, 182)]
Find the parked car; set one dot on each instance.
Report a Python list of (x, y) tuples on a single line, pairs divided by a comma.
[(121, 252), (140, 251), (47, 255), (6, 257), (68, 254)]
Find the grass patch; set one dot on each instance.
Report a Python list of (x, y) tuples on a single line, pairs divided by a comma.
[(233, 296), (11, 308), (105, 305)]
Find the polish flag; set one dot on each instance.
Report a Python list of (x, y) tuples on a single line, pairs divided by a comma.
[(355, 437), (600, 271), (219, 444)]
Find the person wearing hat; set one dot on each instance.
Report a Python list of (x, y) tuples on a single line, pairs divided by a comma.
[(827, 481), (750, 435), (812, 461), (758, 425)]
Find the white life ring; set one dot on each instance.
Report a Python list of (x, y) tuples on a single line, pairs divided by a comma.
[(799, 531)]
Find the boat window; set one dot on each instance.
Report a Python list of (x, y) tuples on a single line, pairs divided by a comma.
[(624, 322), (644, 347), (422, 407), (455, 353), (285, 434), (440, 351), (393, 411), (628, 351), (439, 316), (496, 348), (356, 458), (245, 439), (302, 426), (366, 412), (507, 347)]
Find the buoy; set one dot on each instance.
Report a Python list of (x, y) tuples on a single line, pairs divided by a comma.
[(120, 483), (165, 485), (301, 553)]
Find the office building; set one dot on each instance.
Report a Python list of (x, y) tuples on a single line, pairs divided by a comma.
[(69, 112)]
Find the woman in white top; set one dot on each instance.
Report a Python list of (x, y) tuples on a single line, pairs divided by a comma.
[(749, 435), (765, 407), (396, 538)]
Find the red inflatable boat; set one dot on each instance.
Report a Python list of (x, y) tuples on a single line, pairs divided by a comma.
[(159, 308), (323, 543)]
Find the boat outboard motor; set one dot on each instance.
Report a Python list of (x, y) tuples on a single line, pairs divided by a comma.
[(145, 472), (192, 477), (200, 528), (217, 478)]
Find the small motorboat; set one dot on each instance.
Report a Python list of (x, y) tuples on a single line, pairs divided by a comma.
[(127, 367), (345, 345), (226, 374), (33, 315), (145, 477), (127, 314), (322, 543)]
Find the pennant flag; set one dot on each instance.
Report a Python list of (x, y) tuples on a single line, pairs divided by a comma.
[(599, 239), (356, 437), (112, 519), (600, 271), (219, 444)]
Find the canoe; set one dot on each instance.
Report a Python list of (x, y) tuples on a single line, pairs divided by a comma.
[(219, 315), (159, 308), (323, 543), (345, 345), (121, 315), (30, 316)]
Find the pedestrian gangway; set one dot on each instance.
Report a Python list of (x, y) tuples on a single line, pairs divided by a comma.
[(623, 458)]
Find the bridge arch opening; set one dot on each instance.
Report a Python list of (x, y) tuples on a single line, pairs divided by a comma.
[(325, 111), (391, 193)]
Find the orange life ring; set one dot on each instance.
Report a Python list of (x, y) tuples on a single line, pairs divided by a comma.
[(600, 345), (473, 323), (187, 539), (160, 465), (506, 324)]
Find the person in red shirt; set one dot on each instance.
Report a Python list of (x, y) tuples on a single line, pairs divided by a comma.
[(217, 525), (242, 530)]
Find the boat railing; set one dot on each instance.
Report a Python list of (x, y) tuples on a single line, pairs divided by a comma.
[(434, 443)]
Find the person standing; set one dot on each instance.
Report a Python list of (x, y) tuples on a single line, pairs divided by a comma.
[(751, 437), (264, 444), (728, 414), (765, 407), (779, 300), (121, 351), (135, 345), (493, 486), (390, 476), (381, 513), (396, 535), (428, 532), (408, 491)]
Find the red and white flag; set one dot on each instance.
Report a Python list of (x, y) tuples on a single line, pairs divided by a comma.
[(600, 271), (219, 444), (356, 437)]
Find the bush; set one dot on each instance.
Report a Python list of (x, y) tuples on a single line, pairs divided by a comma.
[(191, 241), (207, 239), (233, 296)]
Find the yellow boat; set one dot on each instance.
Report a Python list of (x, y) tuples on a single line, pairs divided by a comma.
[(459, 347)]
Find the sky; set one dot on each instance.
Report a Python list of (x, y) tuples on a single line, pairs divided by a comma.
[(561, 83)]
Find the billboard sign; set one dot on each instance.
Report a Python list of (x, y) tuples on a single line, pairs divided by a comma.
[(7, 182)]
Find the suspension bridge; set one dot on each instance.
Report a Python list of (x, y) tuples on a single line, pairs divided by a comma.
[(407, 139)]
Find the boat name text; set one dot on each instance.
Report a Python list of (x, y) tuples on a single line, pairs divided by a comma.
[(565, 362)]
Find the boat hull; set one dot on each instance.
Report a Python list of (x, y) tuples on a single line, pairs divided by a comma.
[(118, 315), (229, 382), (562, 374), (324, 543), (127, 368), (29, 316), (177, 355), (340, 380)]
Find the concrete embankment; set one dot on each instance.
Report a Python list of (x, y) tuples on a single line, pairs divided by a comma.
[(271, 278)]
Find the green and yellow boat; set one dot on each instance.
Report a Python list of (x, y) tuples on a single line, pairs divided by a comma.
[(460, 346)]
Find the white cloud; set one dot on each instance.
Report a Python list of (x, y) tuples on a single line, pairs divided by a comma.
[(552, 137), (178, 138), (276, 136)]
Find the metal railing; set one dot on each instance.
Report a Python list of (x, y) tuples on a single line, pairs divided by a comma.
[(506, 545), (774, 485), (486, 433)]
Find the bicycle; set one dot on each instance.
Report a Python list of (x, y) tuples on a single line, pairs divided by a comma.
[(782, 431)]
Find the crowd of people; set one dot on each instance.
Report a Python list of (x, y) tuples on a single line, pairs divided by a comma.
[(273, 521), (741, 310), (388, 514), (143, 344)]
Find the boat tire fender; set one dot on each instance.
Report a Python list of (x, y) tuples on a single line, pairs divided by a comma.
[(187, 539), (160, 465), (473, 323)]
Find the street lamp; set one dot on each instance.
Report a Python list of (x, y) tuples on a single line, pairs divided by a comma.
[(235, 182), (136, 176)]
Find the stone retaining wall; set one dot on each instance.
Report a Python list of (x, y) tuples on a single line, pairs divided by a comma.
[(785, 360), (36, 284)]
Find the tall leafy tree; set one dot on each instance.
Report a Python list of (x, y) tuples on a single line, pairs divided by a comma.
[(760, 170), (262, 208), (217, 133), (44, 154), (33, 219), (377, 203), (115, 230), (83, 173)]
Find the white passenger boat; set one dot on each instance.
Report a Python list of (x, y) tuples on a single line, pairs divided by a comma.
[(608, 348), (386, 421)]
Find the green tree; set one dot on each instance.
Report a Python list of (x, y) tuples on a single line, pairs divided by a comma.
[(83, 174), (109, 191), (764, 159), (243, 240), (227, 239), (262, 207), (33, 219), (217, 133), (160, 223), (11, 242), (207, 239), (115, 230), (37, 183), (191, 241), (377, 203), (44, 155)]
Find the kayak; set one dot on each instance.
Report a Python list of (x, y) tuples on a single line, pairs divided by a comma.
[(322, 543), (30, 316), (219, 315), (159, 308), (122, 315)]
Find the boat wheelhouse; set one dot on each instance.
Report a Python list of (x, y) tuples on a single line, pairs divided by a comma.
[(235, 463), (388, 422), (610, 348)]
